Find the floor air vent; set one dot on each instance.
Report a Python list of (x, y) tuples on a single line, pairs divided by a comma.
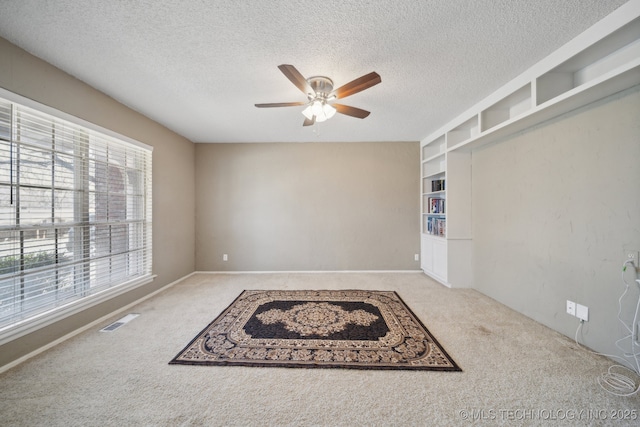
[(118, 323)]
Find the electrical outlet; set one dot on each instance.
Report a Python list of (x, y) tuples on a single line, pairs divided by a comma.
[(416, 257), (582, 312), (571, 308), (225, 257), (632, 256)]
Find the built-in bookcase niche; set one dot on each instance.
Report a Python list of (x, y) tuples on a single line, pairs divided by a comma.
[(463, 132), (434, 184), (620, 49), (428, 184), (507, 109), (434, 148), (434, 166)]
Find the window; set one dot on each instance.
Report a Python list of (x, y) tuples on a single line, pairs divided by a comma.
[(75, 213)]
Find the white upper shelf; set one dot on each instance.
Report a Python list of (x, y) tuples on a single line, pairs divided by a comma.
[(600, 62)]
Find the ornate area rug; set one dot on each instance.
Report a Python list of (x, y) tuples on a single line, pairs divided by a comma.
[(318, 329)]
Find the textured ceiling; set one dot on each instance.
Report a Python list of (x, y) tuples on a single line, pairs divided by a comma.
[(199, 66)]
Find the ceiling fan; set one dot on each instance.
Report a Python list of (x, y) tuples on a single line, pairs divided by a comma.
[(320, 94)]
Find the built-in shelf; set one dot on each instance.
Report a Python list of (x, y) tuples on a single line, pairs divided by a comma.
[(608, 66), (608, 84), (427, 185), (434, 166), (617, 49), (599, 63), (463, 132), (434, 149), (507, 109)]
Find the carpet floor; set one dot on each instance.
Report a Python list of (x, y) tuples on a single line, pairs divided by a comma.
[(514, 371)]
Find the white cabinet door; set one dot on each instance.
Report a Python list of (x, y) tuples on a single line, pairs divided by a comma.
[(440, 259), (434, 257), (427, 254)]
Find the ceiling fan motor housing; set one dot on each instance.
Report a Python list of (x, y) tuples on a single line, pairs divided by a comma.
[(321, 85)]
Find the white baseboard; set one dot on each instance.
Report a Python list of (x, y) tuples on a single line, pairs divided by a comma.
[(306, 271)]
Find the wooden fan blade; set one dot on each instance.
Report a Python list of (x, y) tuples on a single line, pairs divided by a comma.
[(297, 79), (351, 111), (357, 85), (280, 104), (309, 122)]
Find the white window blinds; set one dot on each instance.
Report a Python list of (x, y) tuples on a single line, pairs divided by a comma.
[(75, 213)]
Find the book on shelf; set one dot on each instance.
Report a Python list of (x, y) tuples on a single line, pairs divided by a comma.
[(436, 226), (437, 185), (436, 205)]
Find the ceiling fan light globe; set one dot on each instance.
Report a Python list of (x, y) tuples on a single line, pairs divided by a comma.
[(316, 108), (329, 110), (307, 112)]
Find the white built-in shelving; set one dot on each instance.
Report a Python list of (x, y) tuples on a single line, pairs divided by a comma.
[(507, 109), (434, 149), (463, 132), (434, 188), (602, 61)]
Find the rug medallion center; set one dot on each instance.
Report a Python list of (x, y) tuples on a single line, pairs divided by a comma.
[(316, 318)]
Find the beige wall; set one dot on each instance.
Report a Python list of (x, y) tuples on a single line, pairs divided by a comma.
[(318, 206), (554, 210), (173, 179)]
